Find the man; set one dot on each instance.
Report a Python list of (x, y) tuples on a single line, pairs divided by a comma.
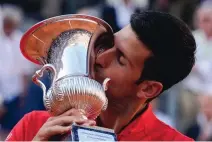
[(12, 74), (150, 55), (203, 33), (201, 128)]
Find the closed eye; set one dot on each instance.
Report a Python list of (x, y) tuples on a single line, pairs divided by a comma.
[(120, 58)]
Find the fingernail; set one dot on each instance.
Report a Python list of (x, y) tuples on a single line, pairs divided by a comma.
[(81, 111), (69, 128), (84, 117), (90, 123)]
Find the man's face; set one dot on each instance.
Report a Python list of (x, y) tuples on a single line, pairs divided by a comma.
[(205, 21), (9, 26), (205, 105), (123, 64)]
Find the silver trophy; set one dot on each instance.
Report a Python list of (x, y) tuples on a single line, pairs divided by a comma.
[(65, 47)]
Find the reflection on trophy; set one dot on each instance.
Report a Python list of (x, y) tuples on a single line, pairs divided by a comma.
[(65, 47)]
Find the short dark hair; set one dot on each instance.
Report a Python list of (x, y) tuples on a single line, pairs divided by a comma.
[(172, 44)]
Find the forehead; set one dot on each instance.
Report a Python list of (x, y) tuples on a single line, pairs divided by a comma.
[(205, 12), (126, 40)]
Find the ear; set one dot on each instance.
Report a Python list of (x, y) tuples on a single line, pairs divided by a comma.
[(149, 89)]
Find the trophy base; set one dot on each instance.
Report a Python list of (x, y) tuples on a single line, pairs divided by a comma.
[(86, 133)]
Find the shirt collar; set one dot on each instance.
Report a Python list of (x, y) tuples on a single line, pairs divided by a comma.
[(141, 123)]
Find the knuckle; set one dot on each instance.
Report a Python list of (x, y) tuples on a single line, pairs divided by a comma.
[(72, 111), (50, 118), (49, 131), (69, 119), (63, 121), (63, 130)]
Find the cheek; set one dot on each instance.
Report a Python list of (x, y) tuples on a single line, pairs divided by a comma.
[(121, 83)]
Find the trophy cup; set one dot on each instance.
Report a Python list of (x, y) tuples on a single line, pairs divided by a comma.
[(65, 47)]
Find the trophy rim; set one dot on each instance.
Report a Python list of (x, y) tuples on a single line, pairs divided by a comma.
[(28, 33)]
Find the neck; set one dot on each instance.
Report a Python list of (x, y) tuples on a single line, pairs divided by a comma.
[(119, 115)]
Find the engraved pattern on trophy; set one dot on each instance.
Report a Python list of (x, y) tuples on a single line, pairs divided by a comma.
[(80, 93)]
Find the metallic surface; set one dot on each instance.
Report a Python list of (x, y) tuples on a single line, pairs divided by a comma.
[(80, 93), (64, 45)]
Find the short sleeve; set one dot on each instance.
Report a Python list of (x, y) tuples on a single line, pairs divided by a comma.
[(18, 132), (28, 126)]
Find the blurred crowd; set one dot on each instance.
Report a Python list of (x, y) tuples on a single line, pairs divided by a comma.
[(187, 106)]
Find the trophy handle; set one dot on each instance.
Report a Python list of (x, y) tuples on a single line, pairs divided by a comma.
[(105, 85), (38, 74)]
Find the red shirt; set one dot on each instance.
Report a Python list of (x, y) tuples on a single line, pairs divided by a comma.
[(144, 128)]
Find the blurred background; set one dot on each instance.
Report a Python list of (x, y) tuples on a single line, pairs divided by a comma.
[(187, 106)]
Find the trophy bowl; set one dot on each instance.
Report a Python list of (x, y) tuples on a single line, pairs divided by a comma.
[(65, 47)]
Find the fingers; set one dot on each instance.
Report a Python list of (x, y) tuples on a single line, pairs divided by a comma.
[(54, 130), (89, 123), (73, 112), (68, 117), (67, 120), (62, 124)]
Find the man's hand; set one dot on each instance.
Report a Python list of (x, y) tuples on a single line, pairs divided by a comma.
[(60, 125)]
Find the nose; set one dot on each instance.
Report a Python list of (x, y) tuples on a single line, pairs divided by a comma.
[(105, 59)]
